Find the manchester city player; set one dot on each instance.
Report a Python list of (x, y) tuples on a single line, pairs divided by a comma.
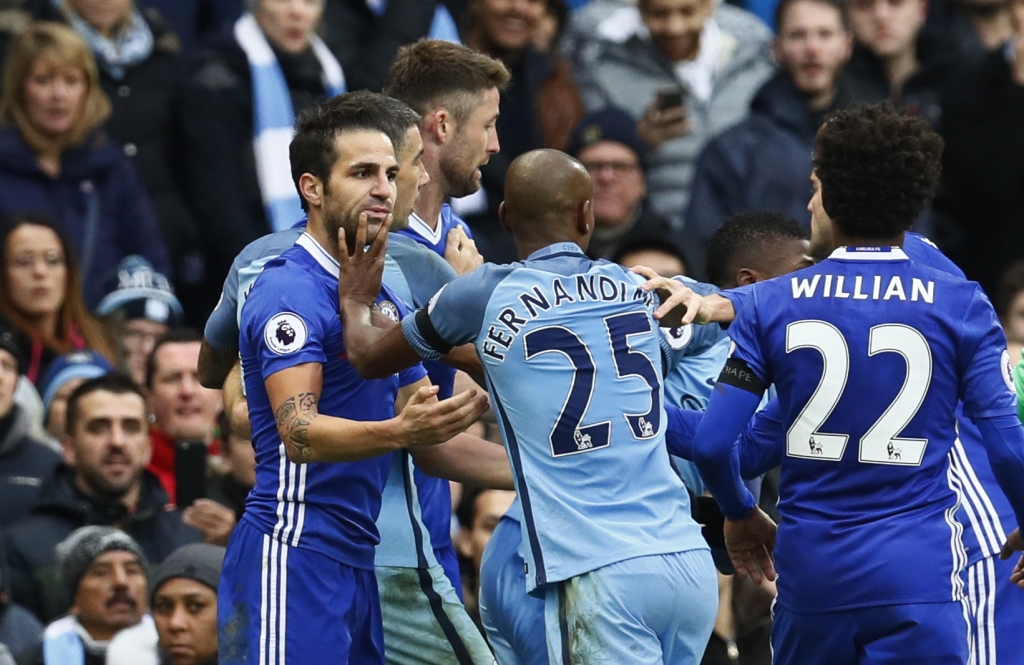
[(456, 90), (870, 353), (298, 582), (608, 539)]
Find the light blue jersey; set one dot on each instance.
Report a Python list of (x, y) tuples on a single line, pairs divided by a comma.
[(573, 359)]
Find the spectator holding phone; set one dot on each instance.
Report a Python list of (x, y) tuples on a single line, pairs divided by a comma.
[(685, 70), (103, 482)]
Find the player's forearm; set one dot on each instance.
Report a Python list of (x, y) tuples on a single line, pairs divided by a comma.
[(1004, 441), (374, 352), (214, 365), (716, 453), (319, 438), (468, 459), (466, 359), (235, 405)]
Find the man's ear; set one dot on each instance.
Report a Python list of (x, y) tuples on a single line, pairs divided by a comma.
[(585, 218), (462, 543), (311, 189), (747, 276), (67, 452), (440, 124), (501, 219)]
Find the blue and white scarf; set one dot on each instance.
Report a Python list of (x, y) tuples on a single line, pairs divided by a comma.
[(133, 43), (274, 118)]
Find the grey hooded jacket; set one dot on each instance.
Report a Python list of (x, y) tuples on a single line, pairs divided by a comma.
[(621, 67)]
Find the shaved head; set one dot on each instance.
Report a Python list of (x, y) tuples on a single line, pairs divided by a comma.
[(547, 199)]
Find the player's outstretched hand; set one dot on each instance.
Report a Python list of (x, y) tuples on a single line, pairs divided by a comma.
[(461, 253), (750, 542), (1015, 543), (361, 271), (425, 421)]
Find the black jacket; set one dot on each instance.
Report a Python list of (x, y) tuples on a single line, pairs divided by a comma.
[(30, 543), (26, 465), (939, 57), (980, 204)]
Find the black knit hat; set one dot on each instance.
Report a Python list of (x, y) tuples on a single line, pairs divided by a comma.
[(84, 545), (608, 124), (10, 345), (201, 562)]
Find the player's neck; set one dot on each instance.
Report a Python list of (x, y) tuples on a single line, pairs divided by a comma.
[(429, 202), (315, 228)]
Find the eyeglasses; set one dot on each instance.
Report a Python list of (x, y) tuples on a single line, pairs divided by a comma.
[(618, 168)]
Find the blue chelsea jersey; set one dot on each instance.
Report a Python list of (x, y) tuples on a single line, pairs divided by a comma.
[(289, 318), (573, 360), (436, 238), (870, 352)]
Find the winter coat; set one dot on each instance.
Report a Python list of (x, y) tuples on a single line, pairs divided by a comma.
[(939, 57), (26, 465), (981, 196), (98, 198), (216, 115), (629, 73), (30, 543), (763, 163)]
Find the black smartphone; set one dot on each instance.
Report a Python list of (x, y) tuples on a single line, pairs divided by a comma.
[(190, 472), (670, 97)]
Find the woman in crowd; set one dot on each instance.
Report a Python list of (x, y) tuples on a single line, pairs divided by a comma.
[(54, 158), (41, 293)]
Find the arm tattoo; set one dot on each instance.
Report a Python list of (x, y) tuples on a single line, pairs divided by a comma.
[(293, 419)]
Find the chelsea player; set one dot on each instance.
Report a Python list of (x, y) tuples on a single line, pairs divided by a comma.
[(573, 360), (870, 353), (298, 580)]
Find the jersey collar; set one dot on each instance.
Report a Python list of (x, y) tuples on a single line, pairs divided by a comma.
[(417, 224), (869, 254), (321, 255), (556, 250)]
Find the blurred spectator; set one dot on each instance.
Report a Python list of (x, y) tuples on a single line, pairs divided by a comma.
[(897, 58), (54, 158), (104, 484), (184, 601), (539, 108), (764, 162), (658, 254), (712, 59), (980, 203), (138, 313), (978, 26), (19, 628), (26, 464), (196, 21), (41, 297), (105, 571), (181, 408), (549, 29), (139, 61), (1009, 302), (237, 112), (239, 461), (606, 143), (478, 512), (63, 377)]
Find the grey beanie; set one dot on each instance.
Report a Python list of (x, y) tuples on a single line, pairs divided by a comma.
[(77, 551), (201, 562)]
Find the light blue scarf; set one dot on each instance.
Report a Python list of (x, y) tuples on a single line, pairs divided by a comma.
[(133, 43), (274, 118), (62, 642)]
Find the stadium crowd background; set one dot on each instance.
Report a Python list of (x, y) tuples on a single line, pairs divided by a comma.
[(129, 182)]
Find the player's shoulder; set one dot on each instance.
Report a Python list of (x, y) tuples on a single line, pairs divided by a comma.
[(291, 278), (923, 251), (450, 220), (270, 245)]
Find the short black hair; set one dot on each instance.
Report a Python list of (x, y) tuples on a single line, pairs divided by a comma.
[(116, 383), (650, 243), (173, 336), (840, 6), (312, 149), (740, 243), (879, 169)]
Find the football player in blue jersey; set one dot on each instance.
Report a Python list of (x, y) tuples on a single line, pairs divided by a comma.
[(456, 90), (298, 580), (869, 352), (608, 539)]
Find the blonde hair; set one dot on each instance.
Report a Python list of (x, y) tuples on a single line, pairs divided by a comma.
[(61, 46)]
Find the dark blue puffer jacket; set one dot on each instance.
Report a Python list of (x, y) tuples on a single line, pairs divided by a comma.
[(98, 198)]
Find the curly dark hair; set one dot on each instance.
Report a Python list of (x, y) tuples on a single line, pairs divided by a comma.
[(878, 168), (744, 240)]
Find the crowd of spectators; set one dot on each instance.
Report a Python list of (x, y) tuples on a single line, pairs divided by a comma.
[(143, 143)]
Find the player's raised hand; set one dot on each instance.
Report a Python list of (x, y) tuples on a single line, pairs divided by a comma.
[(461, 253), (361, 271), (750, 542), (1015, 543), (425, 421), (681, 305)]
